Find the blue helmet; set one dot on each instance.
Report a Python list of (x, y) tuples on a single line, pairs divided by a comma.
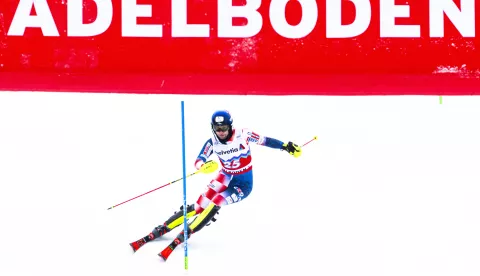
[(222, 118)]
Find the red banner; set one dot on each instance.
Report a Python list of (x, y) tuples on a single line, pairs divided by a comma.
[(241, 46)]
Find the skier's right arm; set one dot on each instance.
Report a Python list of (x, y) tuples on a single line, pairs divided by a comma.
[(204, 154)]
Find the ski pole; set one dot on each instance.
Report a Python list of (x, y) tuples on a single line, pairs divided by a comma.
[(314, 138), (151, 191), (209, 167)]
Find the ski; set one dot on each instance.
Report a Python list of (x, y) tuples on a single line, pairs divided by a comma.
[(169, 249), (157, 232), (137, 244)]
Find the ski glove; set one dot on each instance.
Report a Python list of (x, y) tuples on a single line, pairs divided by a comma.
[(209, 167), (292, 148)]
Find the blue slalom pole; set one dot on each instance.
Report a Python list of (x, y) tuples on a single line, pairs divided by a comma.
[(185, 225)]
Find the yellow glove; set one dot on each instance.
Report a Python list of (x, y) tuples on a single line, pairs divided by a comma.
[(209, 167), (293, 149)]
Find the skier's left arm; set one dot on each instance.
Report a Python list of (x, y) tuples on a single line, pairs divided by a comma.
[(270, 142)]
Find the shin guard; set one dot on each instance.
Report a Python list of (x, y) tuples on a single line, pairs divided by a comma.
[(204, 218), (177, 218), (196, 225)]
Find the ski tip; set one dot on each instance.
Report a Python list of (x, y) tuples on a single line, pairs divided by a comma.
[(162, 257), (136, 245), (165, 253)]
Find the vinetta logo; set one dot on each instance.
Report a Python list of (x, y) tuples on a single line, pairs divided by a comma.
[(226, 152)]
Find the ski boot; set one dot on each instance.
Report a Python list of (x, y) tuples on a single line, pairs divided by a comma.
[(171, 223)]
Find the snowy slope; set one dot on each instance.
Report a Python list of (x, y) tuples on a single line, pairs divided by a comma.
[(391, 187)]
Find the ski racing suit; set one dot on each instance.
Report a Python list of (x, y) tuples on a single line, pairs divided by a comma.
[(235, 180)]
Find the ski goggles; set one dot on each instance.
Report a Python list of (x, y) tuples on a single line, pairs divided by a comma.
[(222, 128)]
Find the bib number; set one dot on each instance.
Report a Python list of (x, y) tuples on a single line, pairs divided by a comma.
[(234, 164)]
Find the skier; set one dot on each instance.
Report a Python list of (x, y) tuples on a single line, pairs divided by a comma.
[(232, 184)]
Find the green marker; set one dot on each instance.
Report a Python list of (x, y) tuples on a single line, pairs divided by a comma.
[(441, 99)]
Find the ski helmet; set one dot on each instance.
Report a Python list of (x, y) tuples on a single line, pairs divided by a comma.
[(222, 118)]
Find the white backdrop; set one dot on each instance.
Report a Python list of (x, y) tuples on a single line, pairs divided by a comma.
[(391, 186)]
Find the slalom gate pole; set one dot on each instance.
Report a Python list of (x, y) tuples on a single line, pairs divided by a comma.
[(185, 225)]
